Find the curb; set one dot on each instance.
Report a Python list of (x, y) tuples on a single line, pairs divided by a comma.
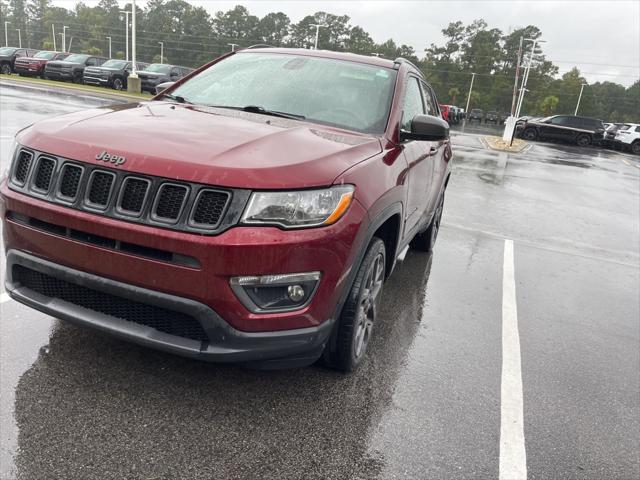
[(63, 90)]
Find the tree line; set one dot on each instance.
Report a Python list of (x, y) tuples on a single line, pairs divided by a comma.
[(192, 36)]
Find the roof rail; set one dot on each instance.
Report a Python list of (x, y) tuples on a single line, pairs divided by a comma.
[(259, 45), (399, 61)]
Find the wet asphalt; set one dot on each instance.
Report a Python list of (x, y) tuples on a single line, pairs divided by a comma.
[(77, 404)]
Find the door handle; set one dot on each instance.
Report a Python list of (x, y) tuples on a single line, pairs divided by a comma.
[(433, 151)]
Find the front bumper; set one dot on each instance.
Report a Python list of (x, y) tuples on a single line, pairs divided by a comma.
[(58, 75), (28, 69), (224, 344), (94, 80)]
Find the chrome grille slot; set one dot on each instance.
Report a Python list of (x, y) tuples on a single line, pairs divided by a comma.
[(209, 207), (133, 194), (99, 190), (169, 202), (21, 170), (70, 181), (43, 174)]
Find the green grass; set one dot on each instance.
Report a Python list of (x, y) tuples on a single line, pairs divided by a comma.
[(73, 86)]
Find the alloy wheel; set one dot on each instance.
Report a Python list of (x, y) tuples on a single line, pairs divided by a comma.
[(368, 307)]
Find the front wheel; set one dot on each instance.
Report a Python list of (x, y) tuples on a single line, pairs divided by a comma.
[(635, 147), (360, 311), (583, 140), (77, 79)]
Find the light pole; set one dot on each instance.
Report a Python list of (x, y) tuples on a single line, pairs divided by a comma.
[(515, 85), (233, 46), (525, 77), (70, 42), (466, 111), (64, 38), (19, 38), (6, 36), (126, 19), (53, 32), (134, 83), (109, 38), (580, 97), (161, 51), (318, 26)]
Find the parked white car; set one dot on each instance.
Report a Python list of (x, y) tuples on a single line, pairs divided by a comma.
[(629, 138)]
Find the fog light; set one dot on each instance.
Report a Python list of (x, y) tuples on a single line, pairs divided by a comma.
[(295, 293), (280, 292)]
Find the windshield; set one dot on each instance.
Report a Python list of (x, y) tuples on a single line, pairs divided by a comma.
[(76, 58), (7, 50), (345, 94), (45, 55), (117, 64), (158, 68)]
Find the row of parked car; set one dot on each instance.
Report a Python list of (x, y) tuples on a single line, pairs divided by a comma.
[(582, 131), (87, 69)]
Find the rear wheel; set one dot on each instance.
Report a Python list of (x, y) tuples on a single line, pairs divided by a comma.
[(635, 147), (530, 134), (425, 241), (5, 69), (360, 311)]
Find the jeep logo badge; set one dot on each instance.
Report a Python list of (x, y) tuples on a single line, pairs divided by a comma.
[(115, 159)]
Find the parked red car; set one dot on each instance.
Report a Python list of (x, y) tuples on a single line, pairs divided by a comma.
[(445, 111), (34, 66), (249, 213)]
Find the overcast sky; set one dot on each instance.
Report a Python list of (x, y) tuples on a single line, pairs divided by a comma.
[(601, 37)]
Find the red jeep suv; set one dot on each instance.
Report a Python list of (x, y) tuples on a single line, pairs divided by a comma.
[(249, 213)]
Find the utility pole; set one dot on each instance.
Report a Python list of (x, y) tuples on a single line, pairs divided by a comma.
[(19, 38), (6, 36), (515, 85), (580, 97), (53, 32), (64, 38), (134, 83), (161, 51), (109, 38), (466, 111), (70, 42), (318, 26), (126, 19), (233, 46)]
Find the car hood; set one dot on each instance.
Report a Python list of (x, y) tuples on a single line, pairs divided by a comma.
[(63, 63), (152, 74), (206, 145)]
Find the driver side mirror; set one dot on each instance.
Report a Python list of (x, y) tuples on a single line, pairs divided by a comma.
[(426, 128), (163, 86)]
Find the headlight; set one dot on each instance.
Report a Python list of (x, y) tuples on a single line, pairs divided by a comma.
[(6, 159), (305, 208)]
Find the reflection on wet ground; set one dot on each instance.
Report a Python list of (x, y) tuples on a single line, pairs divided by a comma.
[(89, 400)]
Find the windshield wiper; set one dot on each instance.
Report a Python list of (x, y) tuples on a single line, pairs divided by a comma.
[(262, 111), (176, 98)]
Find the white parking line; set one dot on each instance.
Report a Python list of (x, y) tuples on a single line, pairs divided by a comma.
[(4, 297), (513, 456)]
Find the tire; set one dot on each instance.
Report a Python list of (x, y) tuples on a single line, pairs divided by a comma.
[(5, 69), (530, 134), (355, 325), (635, 147), (117, 84), (583, 140), (77, 79), (426, 240)]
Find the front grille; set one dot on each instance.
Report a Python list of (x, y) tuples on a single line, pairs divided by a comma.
[(44, 172), (111, 192), (161, 319), (209, 207), (170, 200), (21, 171), (133, 195), (70, 180), (100, 188)]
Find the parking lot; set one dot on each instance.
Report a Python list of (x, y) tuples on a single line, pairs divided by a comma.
[(427, 403)]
